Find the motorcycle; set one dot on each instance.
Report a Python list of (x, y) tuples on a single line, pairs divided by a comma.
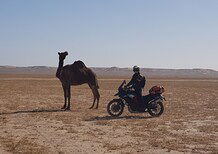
[(151, 103)]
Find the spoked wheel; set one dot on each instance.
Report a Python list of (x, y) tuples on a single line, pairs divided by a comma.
[(115, 108), (155, 109)]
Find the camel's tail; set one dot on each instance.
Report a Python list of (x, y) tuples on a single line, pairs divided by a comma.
[(93, 78), (96, 81)]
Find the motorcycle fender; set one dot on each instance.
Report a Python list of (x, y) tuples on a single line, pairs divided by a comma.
[(159, 99), (152, 103)]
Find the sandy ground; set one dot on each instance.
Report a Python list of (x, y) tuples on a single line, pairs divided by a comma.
[(31, 120)]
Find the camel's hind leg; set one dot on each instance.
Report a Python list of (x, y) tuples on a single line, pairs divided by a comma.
[(95, 94), (93, 103)]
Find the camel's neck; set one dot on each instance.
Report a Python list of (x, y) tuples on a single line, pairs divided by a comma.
[(60, 66)]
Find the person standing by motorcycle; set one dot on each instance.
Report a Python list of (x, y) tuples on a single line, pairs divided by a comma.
[(137, 83)]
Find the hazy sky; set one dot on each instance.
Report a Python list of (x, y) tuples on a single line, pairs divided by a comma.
[(148, 33)]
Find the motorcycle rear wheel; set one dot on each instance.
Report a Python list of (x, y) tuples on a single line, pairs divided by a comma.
[(157, 111), (115, 108)]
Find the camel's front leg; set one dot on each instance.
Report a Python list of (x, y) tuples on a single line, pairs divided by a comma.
[(68, 96), (65, 97)]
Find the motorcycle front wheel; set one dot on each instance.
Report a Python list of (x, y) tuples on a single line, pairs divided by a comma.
[(155, 109), (115, 108)]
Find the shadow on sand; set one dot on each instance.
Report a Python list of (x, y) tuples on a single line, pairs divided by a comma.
[(116, 118), (33, 111)]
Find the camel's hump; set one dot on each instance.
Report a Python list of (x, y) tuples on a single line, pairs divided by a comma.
[(79, 64)]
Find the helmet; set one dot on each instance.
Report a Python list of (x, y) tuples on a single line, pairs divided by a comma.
[(136, 69)]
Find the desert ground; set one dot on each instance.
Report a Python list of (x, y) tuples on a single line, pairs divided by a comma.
[(31, 120)]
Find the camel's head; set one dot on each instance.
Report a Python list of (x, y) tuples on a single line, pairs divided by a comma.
[(62, 55)]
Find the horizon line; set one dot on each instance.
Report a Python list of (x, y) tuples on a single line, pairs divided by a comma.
[(116, 67)]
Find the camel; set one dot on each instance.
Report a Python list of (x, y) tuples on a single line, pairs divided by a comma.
[(76, 74)]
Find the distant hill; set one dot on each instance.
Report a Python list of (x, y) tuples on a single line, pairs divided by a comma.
[(27, 70), (117, 72)]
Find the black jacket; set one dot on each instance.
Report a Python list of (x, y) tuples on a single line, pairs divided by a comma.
[(135, 81)]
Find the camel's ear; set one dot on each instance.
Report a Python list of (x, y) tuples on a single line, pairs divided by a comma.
[(59, 53), (66, 52)]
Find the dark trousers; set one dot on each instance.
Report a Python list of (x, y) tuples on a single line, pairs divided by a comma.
[(139, 97)]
